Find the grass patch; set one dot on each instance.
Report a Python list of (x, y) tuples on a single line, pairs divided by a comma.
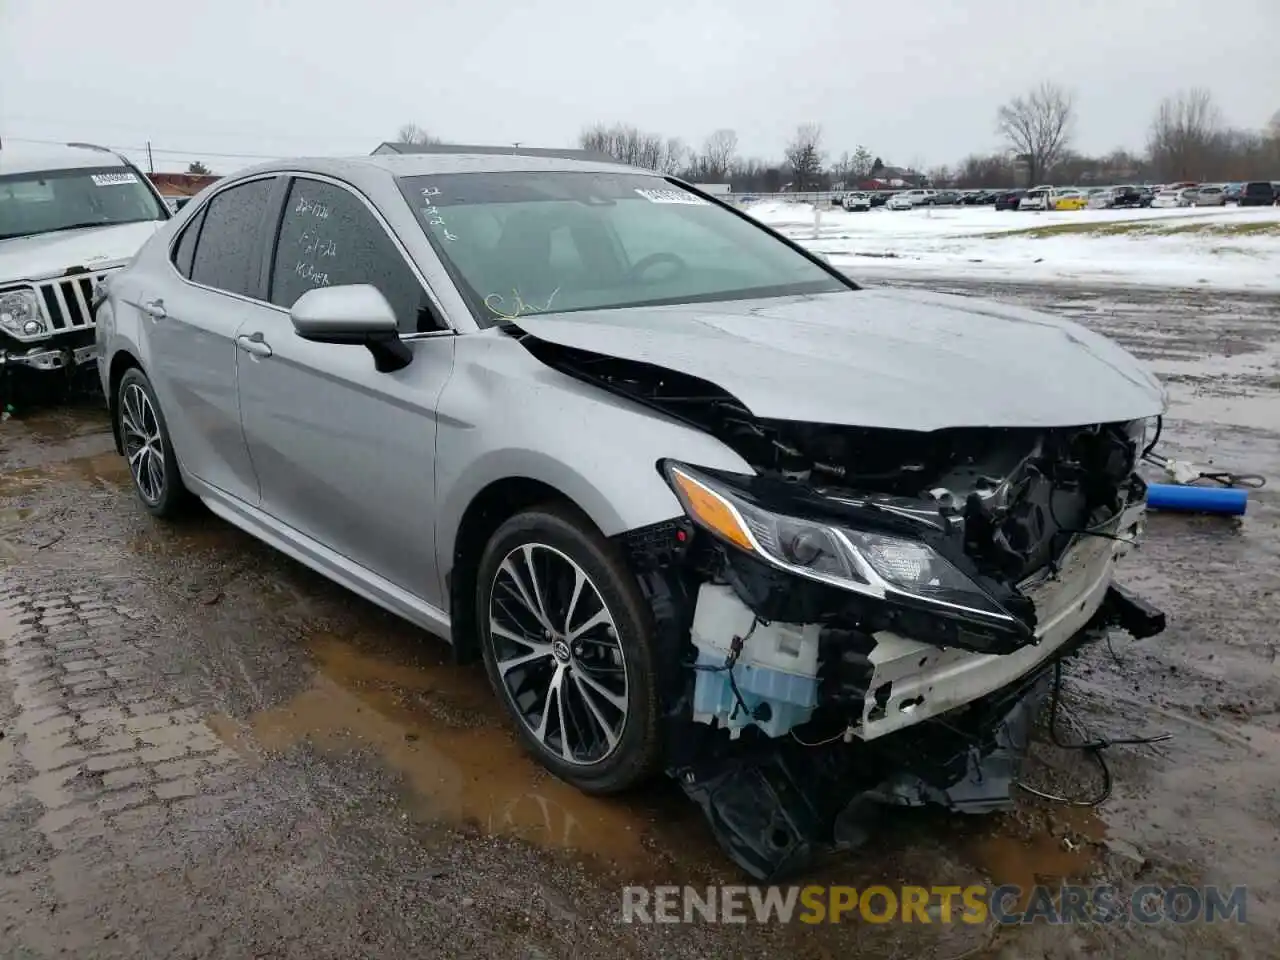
[(1157, 228)]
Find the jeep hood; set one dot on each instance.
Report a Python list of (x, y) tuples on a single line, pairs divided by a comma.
[(52, 254), (894, 359)]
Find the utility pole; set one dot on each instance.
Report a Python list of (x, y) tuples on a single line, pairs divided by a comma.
[(151, 167)]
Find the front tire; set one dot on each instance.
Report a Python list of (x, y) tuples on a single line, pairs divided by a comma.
[(144, 437), (567, 640)]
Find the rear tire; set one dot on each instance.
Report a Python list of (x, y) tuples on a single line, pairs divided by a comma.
[(567, 640), (144, 437)]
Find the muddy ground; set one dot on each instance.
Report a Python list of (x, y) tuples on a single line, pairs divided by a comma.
[(208, 751)]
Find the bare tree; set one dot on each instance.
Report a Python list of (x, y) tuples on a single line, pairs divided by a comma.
[(860, 163), (412, 133), (1185, 131), (941, 176), (1038, 126), (629, 144), (716, 159), (1184, 134), (804, 156), (676, 157), (840, 175)]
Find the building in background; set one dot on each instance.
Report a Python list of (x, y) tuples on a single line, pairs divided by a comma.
[(179, 185)]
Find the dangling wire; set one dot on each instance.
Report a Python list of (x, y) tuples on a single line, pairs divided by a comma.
[(1092, 747), (1190, 473)]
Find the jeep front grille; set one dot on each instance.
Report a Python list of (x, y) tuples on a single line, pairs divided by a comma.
[(66, 300)]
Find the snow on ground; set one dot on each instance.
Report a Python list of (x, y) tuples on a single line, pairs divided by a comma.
[(1226, 248)]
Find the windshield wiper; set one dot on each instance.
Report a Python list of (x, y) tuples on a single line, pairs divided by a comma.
[(76, 226)]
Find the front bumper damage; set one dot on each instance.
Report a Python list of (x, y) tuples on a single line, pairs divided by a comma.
[(825, 720), (774, 806)]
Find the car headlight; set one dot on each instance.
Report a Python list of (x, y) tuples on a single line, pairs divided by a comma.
[(870, 563), (20, 313)]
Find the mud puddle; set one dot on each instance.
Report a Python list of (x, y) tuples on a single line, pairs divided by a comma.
[(438, 727), (108, 470)]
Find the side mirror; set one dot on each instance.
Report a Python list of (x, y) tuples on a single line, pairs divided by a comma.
[(355, 314)]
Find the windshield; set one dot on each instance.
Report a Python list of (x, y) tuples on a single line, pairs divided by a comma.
[(48, 200), (519, 243)]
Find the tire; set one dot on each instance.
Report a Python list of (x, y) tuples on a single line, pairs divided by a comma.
[(557, 544), (156, 478)]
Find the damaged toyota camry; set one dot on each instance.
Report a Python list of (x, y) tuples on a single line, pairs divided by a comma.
[(701, 503)]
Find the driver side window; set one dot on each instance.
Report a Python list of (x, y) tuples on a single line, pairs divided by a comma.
[(328, 237)]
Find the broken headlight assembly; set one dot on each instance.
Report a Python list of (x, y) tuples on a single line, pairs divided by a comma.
[(865, 562)]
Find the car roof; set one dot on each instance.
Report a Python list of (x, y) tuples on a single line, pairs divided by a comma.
[(31, 158), (378, 166)]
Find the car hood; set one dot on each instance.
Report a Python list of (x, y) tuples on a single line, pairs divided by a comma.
[(51, 254), (878, 358)]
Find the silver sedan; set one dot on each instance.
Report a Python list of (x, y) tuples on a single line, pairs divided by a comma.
[(699, 501)]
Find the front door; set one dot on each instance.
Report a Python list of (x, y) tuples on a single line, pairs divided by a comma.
[(346, 455), (191, 326)]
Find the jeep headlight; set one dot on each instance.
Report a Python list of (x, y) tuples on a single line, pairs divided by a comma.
[(20, 313), (878, 565)]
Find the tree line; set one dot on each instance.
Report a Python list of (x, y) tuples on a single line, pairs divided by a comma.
[(1187, 139)]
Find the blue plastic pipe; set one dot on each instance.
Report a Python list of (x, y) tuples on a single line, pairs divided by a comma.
[(1227, 501)]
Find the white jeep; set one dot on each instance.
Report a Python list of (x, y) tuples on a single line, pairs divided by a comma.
[(69, 216)]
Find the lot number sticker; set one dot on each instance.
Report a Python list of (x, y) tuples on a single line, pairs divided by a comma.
[(113, 179), (671, 196)]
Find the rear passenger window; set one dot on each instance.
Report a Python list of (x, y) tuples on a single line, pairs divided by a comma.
[(184, 252), (226, 254), (328, 237)]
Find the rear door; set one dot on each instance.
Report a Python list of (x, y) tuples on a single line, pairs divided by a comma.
[(346, 455), (191, 325)]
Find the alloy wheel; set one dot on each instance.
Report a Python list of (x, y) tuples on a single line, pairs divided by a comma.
[(556, 649), (143, 443)]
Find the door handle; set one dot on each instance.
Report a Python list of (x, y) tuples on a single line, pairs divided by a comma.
[(154, 309), (254, 345)]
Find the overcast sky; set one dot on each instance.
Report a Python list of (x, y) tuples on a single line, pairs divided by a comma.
[(917, 81)]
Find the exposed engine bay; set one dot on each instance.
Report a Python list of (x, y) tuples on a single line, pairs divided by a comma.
[(872, 617)]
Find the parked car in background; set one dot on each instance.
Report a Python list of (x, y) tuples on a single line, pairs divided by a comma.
[(1008, 199), (920, 197), (878, 198), (1210, 195), (1036, 199), (1068, 199), (1126, 197), (1103, 199), (482, 392), (899, 201), (857, 200), (1257, 193), (69, 217), (1171, 198), (1145, 196), (946, 198), (1231, 192)]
